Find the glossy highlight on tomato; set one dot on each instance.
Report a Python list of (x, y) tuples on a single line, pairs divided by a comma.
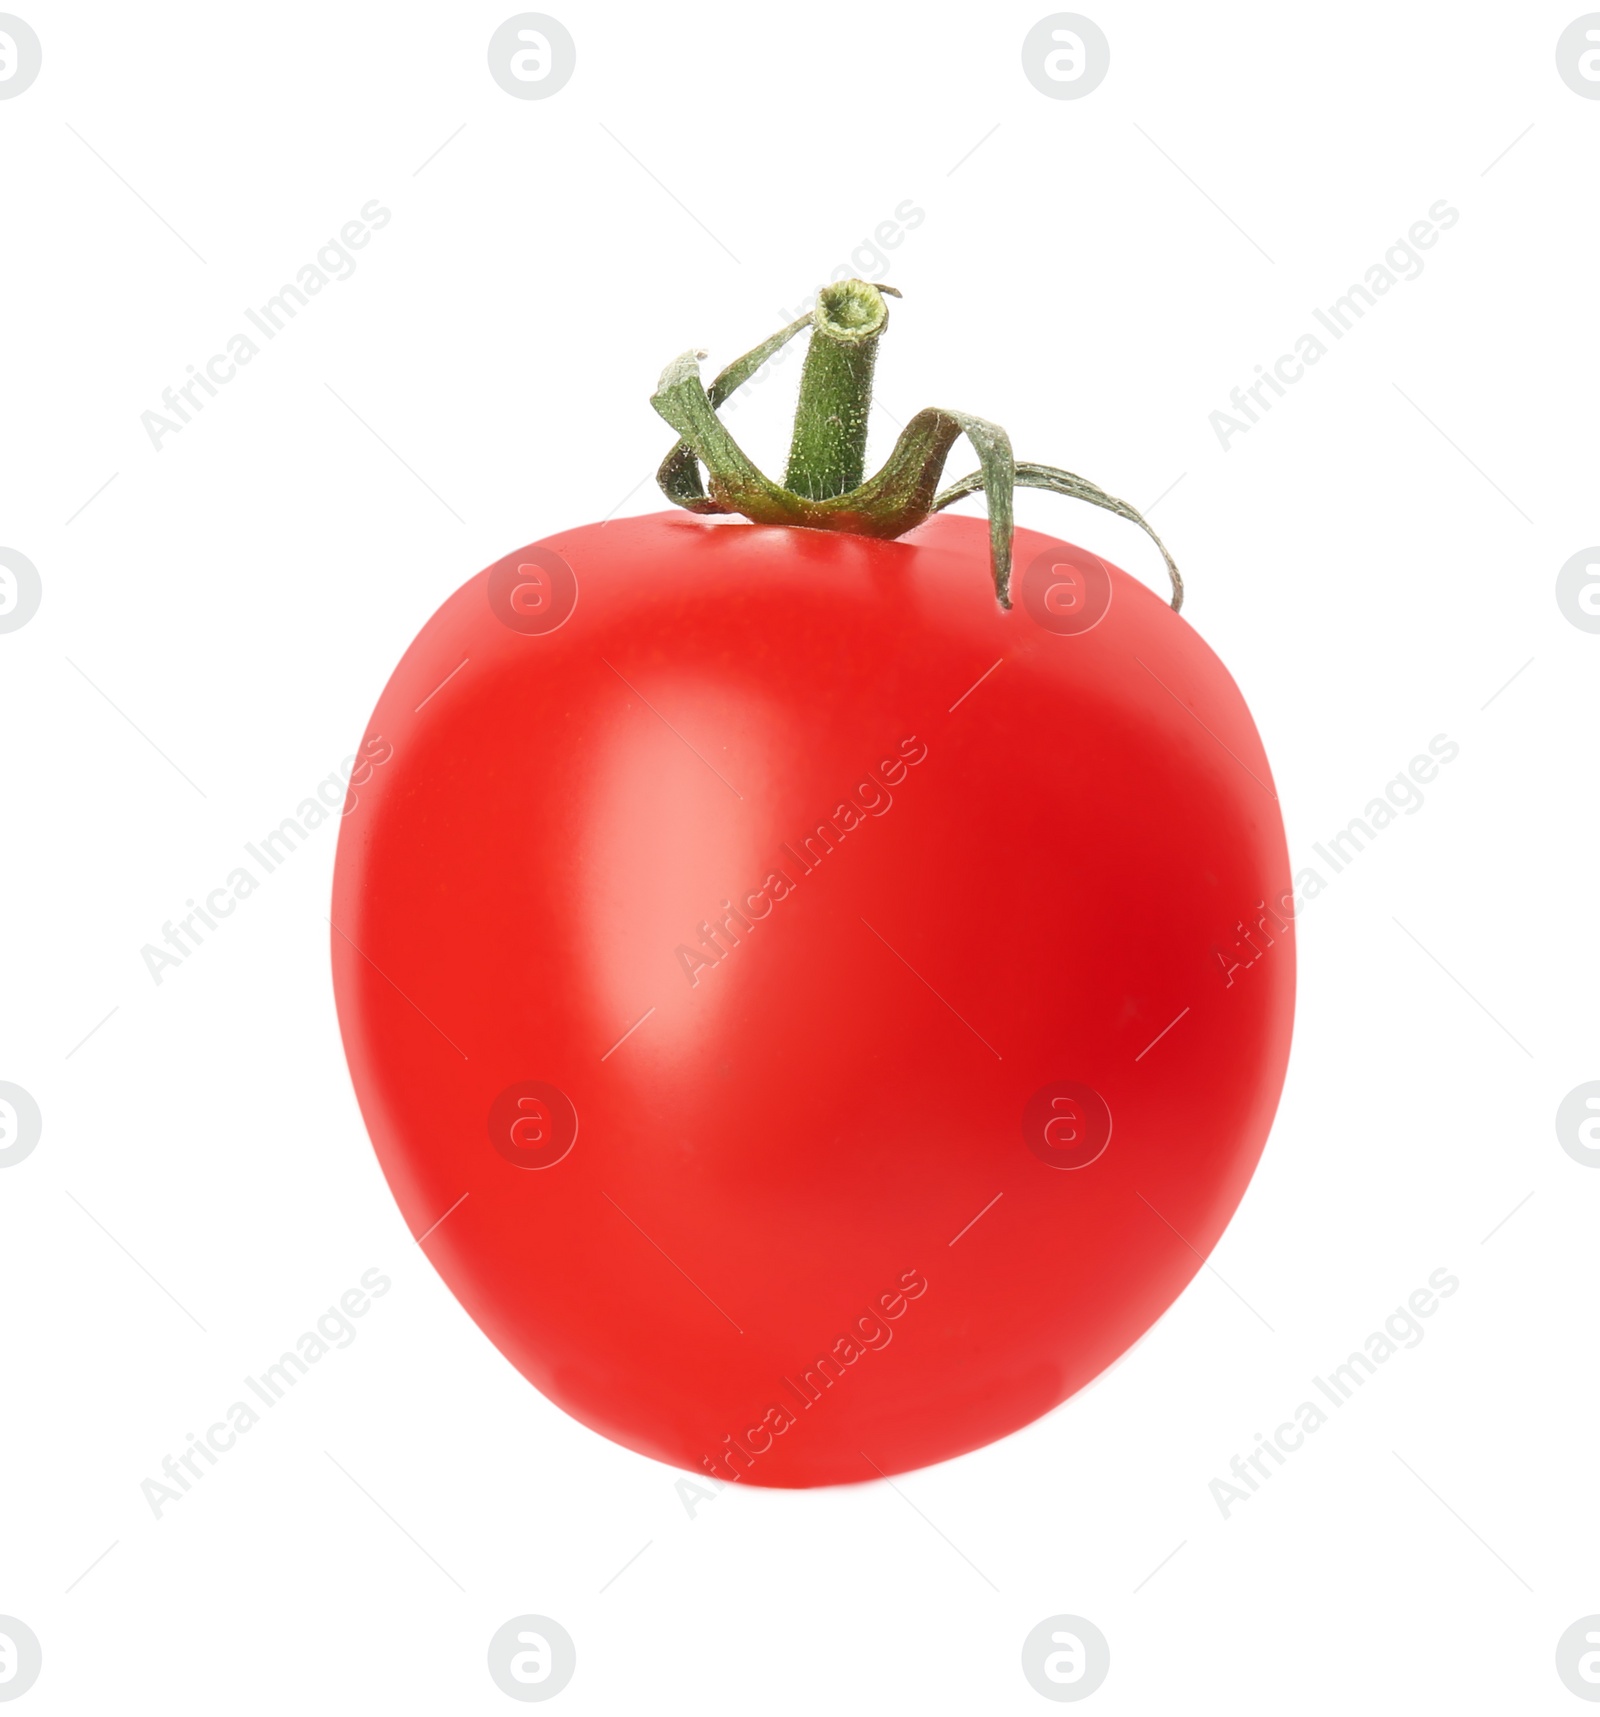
[(829, 986)]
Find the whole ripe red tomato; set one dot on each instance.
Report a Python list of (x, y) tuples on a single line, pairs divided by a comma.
[(838, 1013)]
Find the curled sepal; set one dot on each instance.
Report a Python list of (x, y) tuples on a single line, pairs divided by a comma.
[(736, 485), (1080, 489), (823, 488), (897, 499), (901, 495), (679, 475)]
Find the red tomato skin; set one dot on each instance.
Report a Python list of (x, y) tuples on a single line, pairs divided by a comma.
[(759, 1257)]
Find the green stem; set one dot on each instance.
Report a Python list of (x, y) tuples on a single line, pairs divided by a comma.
[(828, 456), (823, 488)]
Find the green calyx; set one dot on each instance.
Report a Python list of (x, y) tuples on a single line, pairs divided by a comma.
[(823, 486)]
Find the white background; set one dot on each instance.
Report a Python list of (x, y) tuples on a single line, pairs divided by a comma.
[(242, 594)]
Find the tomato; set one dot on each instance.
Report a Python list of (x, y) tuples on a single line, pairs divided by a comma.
[(832, 1014)]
